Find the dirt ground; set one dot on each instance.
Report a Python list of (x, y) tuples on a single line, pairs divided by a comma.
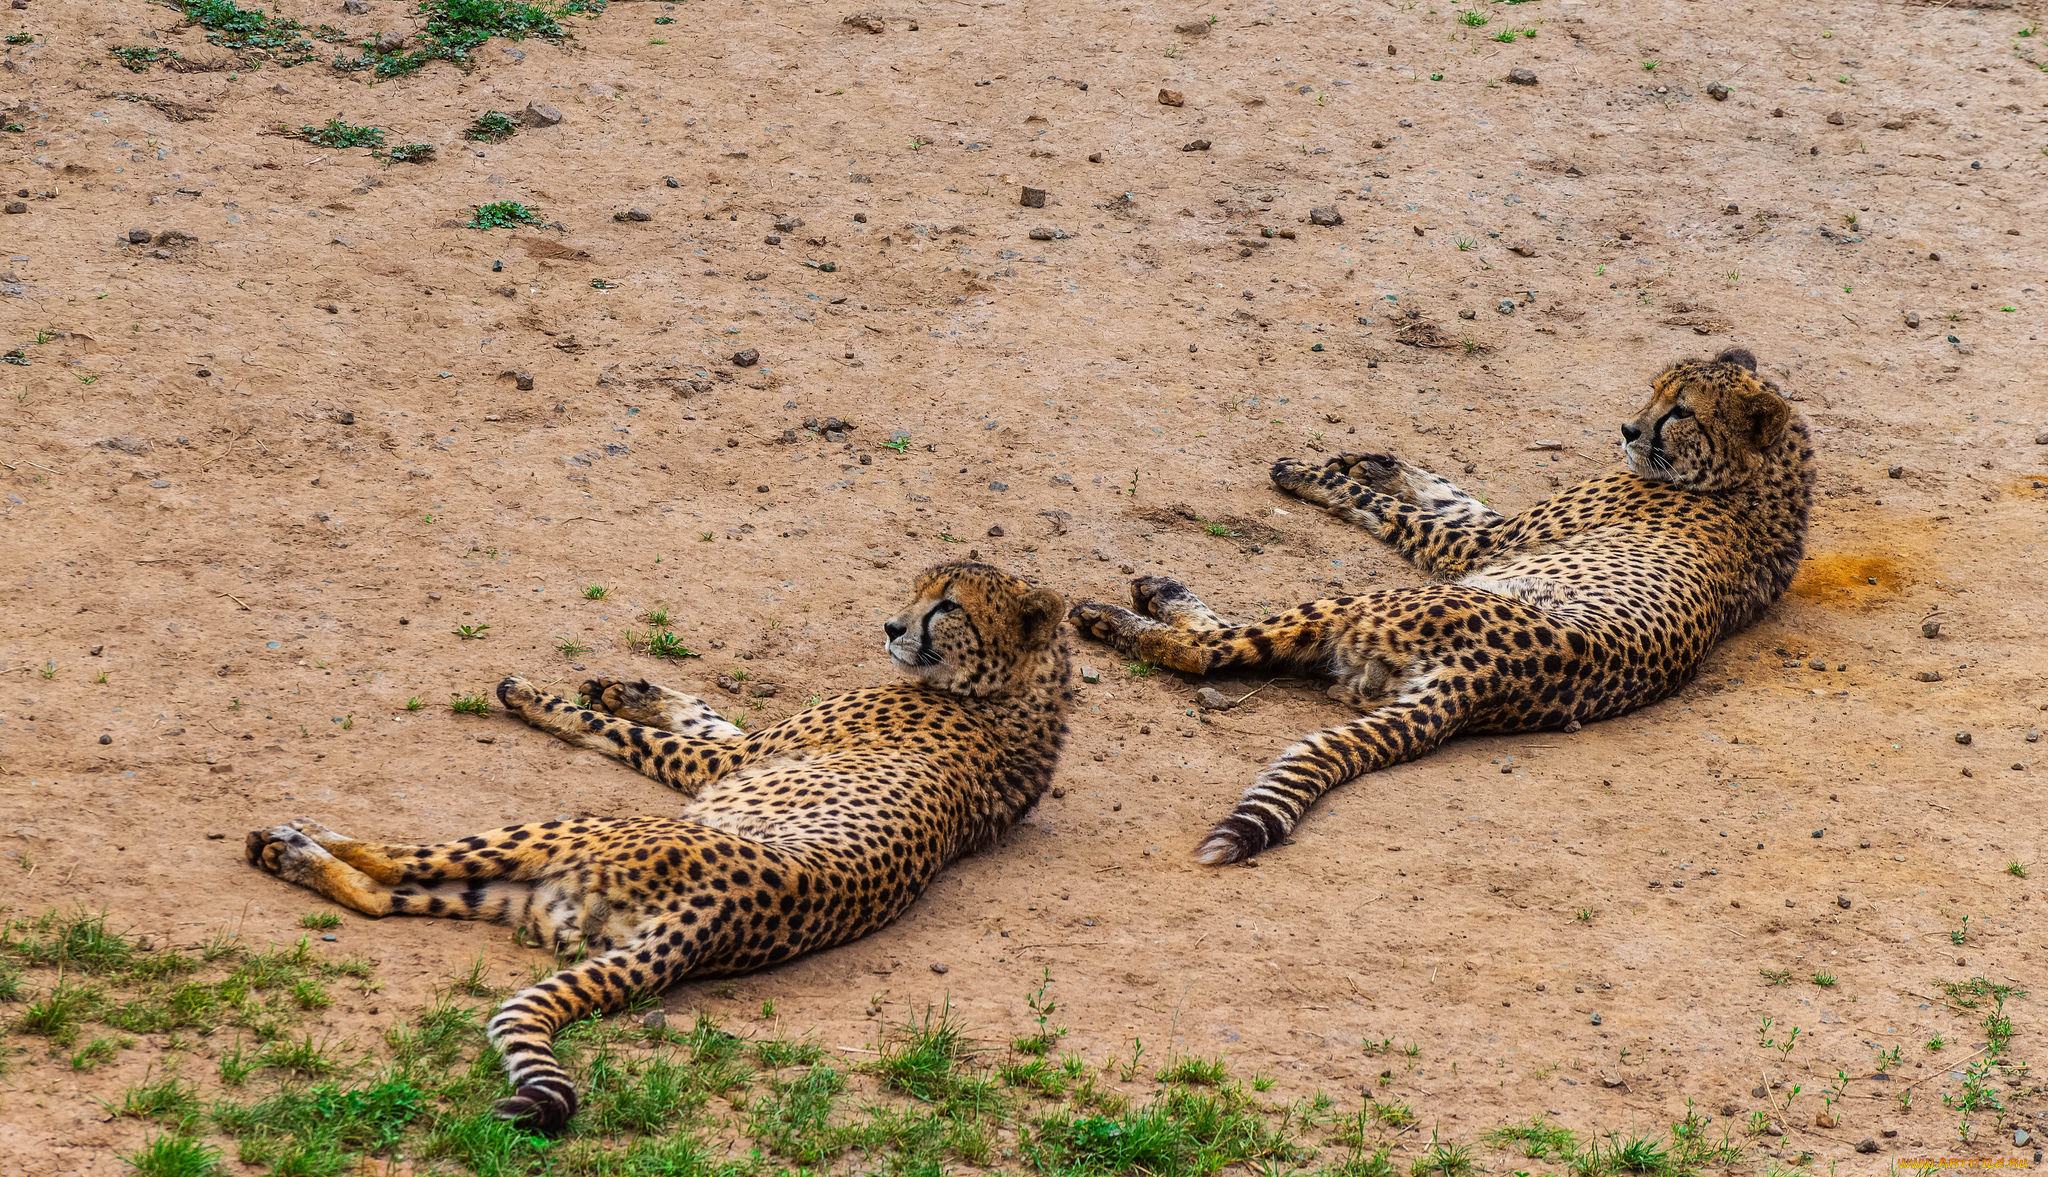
[(256, 475)]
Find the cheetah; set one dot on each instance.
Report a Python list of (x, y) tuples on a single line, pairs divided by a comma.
[(805, 834), (1600, 600)]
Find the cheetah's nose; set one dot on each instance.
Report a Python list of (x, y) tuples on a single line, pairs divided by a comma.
[(895, 629), (1630, 432)]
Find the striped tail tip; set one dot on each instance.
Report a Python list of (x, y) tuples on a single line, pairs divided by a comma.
[(545, 1109), (1234, 839)]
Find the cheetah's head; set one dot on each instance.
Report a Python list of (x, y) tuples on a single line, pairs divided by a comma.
[(1708, 424), (973, 629)]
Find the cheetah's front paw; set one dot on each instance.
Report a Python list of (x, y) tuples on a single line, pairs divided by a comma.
[(1113, 625), (290, 851), (1297, 476), (520, 697)]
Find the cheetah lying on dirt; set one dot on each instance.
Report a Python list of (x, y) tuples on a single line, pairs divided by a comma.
[(802, 835), (1595, 602)]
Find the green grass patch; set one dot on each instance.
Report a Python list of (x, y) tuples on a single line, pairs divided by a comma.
[(502, 214), (338, 134), (492, 126)]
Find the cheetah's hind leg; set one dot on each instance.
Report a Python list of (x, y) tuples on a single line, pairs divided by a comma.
[(658, 706)]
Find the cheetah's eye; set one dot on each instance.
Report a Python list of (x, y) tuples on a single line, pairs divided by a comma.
[(945, 607), (1681, 412)]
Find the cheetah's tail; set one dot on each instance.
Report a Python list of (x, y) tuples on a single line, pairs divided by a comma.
[(1399, 731), (523, 1029)]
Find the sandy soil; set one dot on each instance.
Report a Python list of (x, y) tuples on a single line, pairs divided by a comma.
[(254, 479)]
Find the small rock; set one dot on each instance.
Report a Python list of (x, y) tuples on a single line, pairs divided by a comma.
[(1895, 472), (139, 236), (1042, 233), (1819, 834), (746, 358), (2033, 734), (1095, 157), (127, 445), (1325, 214), (940, 968), (539, 114), (1506, 306), (671, 182), (867, 22), (1468, 313), (1596, 1019), (390, 41), (1888, 1133), (860, 218), (1197, 145), (355, 7), (1090, 675), (1522, 249), (1520, 76), (1816, 664), (1842, 901), (773, 239), (1032, 198), (1212, 699), (1825, 1119), (654, 1019), (1835, 118), (17, 206), (637, 214), (97, 650), (1171, 98), (1758, 1092), (2020, 1137), (347, 417), (1912, 318), (996, 532), (1774, 1129), (1717, 92), (1963, 738), (1928, 675), (1867, 1145), (106, 739), (523, 381)]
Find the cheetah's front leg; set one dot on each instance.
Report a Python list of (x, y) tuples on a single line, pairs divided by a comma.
[(656, 706), (685, 763), (1434, 525)]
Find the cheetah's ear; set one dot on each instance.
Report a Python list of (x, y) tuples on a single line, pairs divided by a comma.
[(1740, 357), (1039, 617), (1767, 414)]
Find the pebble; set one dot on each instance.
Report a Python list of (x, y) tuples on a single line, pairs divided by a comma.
[(1095, 157), (996, 532), (773, 239), (17, 206), (1758, 1092), (940, 968), (1774, 1129), (1842, 901), (1197, 145), (1610, 1079), (106, 739), (1912, 318), (1825, 1119), (671, 181), (1325, 214), (1506, 306), (999, 487), (2033, 734), (1520, 76), (355, 7), (1596, 1019), (1090, 675), (1032, 198), (1717, 92), (1212, 699), (523, 381), (540, 114), (1929, 675), (1819, 834), (1041, 233), (1867, 1145), (637, 214), (654, 1019), (1522, 249), (138, 236), (1963, 738), (2041, 438), (2020, 1137), (1895, 472), (746, 358), (390, 41), (1835, 118), (1468, 313), (1171, 98)]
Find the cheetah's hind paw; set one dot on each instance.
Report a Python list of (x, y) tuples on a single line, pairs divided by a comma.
[(1112, 625)]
